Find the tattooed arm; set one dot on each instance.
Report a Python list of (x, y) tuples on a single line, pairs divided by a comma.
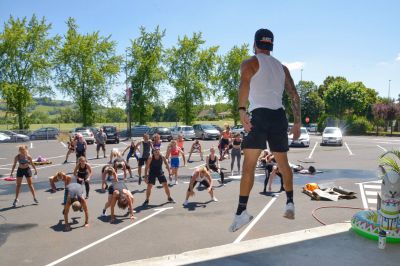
[(295, 99)]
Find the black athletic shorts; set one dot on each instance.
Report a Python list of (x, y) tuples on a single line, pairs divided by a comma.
[(80, 154), (204, 183), (161, 179), (268, 125), (21, 172), (142, 161)]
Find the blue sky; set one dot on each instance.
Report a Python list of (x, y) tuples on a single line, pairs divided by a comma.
[(357, 39)]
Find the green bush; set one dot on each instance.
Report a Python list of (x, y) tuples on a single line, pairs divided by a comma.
[(322, 123), (358, 125)]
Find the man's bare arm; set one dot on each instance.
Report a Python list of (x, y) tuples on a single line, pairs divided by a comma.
[(294, 96)]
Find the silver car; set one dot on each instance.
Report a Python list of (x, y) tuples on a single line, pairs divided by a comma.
[(186, 131), (86, 133), (206, 131)]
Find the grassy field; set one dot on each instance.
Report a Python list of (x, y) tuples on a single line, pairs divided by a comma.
[(120, 126)]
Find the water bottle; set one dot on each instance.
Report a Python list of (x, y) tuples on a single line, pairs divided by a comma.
[(382, 239)]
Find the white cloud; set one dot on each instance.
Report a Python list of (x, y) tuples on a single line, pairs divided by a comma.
[(294, 65), (398, 57)]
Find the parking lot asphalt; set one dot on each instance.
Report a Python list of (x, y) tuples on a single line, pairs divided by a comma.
[(33, 234)]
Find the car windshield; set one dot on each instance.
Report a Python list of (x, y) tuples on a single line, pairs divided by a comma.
[(81, 129), (331, 130), (163, 130), (109, 130), (209, 127), (303, 131), (187, 128)]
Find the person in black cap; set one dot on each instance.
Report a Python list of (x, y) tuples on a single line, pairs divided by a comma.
[(262, 82)]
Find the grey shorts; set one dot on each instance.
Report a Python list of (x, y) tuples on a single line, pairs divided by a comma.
[(268, 126)]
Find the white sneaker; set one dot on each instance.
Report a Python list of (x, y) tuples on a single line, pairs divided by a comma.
[(185, 203), (214, 199), (176, 182), (289, 211), (240, 220)]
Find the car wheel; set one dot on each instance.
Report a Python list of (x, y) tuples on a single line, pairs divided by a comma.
[(117, 141), (322, 144), (193, 139)]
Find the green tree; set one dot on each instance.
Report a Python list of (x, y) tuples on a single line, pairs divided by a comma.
[(145, 72), (115, 114), (171, 112), (86, 69), (26, 53), (191, 72), (312, 106), (229, 77), (39, 117), (158, 113), (69, 115), (324, 86)]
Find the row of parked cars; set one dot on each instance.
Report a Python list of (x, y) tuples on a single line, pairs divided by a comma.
[(330, 136)]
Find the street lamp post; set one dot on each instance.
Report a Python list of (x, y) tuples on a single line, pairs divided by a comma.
[(301, 75), (389, 90), (128, 96)]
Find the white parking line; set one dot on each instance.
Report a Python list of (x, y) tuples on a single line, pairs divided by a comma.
[(254, 221), (372, 186), (62, 143), (31, 145), (385, 150), (363, 199), (157, 211), (372, 200), (347, 146), (315, 146)]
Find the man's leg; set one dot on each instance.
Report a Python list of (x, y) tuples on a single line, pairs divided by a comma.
[(246, 184), (247, 181), (287, 175)]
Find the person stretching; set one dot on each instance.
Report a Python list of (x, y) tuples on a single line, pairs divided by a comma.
[(83, 173), (107, 174), (173, 153), (77, 202), (203, 176), (212, 163), (24, 160), (196, 147), (154, 170), (60, 176)]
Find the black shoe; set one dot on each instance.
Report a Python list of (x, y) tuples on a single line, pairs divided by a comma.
[(65, 161), (282, 189), (145, 203), (171, 200)]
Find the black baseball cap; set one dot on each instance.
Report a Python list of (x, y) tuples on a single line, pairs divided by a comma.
[(264, 39)]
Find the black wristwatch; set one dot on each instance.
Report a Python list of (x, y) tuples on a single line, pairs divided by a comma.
[(242, 108)]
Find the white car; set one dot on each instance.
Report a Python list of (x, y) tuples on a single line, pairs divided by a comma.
[(332, 136), (238, 129), (86, 133), (186, 131), (303, 140), (4, 137)]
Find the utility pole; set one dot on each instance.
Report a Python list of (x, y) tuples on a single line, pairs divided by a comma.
[(128, 93), (389, 90), (301, 75)]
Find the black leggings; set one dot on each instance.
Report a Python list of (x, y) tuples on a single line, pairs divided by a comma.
[(215, 169), (87, 185), (268, 171)]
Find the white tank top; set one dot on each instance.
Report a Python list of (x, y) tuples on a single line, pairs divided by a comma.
[(267, 85)]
